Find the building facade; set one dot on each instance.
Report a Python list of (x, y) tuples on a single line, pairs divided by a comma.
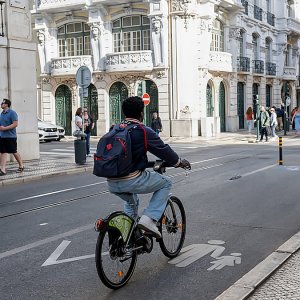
[(201, 61), (18, 72)]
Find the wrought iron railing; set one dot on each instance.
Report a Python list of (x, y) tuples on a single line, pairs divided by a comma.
[(270, 69), (257, 13), (258, 66), (271, 18), (245, 4), (243, 64)]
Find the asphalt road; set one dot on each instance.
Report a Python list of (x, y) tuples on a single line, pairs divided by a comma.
[(236, 194)]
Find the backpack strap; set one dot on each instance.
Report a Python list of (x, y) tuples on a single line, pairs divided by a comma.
[(145, 137)]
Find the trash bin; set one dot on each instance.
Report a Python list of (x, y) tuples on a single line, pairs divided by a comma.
[(80, 149)]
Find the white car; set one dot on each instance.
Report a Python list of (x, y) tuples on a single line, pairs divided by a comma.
[(49, 132)]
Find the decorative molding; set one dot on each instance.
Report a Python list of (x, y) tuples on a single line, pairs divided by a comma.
[(220, 61), (41, 36), (234, 33), (160, 74), (157, 24), (184, 9)]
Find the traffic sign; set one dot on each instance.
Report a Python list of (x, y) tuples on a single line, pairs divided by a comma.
[(146, 99), (287, 101), (83, 77)]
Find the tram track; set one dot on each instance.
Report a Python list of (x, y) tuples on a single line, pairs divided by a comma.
[(75, 199)]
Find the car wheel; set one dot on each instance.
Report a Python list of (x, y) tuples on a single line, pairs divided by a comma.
[(47, 141), (58, 139)]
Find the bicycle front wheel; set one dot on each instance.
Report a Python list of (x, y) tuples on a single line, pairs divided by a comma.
[(115, 265), (172, 227)]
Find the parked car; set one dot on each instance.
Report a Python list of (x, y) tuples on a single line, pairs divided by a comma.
[(49, 132)]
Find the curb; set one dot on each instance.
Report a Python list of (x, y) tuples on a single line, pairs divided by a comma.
[(246, 285), (43, 176)]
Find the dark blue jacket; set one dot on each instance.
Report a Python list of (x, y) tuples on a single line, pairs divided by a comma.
[(142, 136)]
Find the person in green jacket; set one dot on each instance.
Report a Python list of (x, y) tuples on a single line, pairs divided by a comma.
[(264, 123)]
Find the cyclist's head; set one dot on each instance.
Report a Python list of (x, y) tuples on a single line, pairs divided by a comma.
[(133, 107)]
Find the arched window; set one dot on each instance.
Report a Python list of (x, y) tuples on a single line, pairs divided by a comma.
[(209, 101), (131, 33), (217, 42), (74, 39)]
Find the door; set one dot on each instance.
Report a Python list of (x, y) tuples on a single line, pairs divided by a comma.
[(63, 108), (117, 94), (91, 103), (209, 101), (222, 107), (240, 105), (148, 86)]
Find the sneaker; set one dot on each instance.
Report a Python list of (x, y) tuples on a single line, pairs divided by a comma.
[(149, 225)]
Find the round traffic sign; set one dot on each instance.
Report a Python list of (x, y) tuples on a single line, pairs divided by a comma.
[(83, 76), (287, 101), (146, 99)]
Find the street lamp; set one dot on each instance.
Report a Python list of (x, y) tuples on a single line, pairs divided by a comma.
[(2, 2)]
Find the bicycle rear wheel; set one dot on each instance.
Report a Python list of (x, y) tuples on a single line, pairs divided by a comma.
[(173, 228), (114, 264)]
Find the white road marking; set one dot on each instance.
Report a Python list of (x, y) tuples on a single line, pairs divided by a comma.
[(53, 258), (46, 241), (59, 191), (43, 224), (259, 170)]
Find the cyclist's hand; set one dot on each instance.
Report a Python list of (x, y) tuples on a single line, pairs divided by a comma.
[(185, 164)]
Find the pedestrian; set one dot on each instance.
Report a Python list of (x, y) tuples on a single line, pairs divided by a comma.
[(88, 126), (264, 123), (280, 114), (296, 119), (8, 136), (78, 122), (249, 118), (156, 123), (273, 122), (292, 115)]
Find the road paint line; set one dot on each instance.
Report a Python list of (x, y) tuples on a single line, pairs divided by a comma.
[(53, 258), (258, 170), (45, 241), (43, 224), (57, 153), (59, 191)]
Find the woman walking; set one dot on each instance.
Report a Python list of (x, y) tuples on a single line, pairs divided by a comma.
[(296, 118), (249, 118)]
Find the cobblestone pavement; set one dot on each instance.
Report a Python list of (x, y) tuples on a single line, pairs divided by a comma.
[(284, 283)]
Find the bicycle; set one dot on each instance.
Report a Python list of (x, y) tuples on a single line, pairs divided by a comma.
[(120, 241)]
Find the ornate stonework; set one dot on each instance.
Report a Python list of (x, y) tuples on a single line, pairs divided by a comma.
[(234, 33), (156, 24)]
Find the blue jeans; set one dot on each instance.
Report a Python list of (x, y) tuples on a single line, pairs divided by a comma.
[(147, 182), (87, 143)]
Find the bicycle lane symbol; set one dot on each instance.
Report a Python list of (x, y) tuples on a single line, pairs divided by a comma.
[(194, 252)]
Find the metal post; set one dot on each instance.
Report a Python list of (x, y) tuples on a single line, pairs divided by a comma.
[(284, 120), (280, 151)]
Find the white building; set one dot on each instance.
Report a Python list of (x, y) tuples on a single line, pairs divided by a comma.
[(201, 61), (18, 72)]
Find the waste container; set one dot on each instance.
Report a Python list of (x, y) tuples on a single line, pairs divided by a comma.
[(80, 149)]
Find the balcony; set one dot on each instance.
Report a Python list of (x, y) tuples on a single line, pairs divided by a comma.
[(57, 4), (258, 67), (294, 25), (271, 18), (270, 69), (220, 61), (257, 13), (289, 73), (129, 61), (245, 4), (69, 65), (243, 64)]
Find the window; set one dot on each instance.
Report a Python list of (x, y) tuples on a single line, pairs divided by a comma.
[(74, 39), (268, 4), (241, 43), (131, 34), (255, 46), (268, 50), (217, 42)]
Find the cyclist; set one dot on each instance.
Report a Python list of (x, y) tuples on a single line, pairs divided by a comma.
[(140, 180)]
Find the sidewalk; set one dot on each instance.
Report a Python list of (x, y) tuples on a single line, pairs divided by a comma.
[(46, 167)]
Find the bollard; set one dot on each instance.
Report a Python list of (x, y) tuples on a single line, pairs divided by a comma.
[(280, 151)]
